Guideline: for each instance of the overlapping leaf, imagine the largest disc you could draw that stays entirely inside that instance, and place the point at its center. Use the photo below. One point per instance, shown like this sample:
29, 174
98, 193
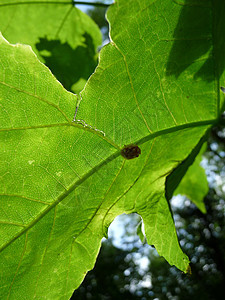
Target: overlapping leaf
62, 36
194, 185
63, 182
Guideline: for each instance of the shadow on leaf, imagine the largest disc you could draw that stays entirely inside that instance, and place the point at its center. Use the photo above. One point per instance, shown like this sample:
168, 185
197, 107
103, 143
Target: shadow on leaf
72, 67
197, 41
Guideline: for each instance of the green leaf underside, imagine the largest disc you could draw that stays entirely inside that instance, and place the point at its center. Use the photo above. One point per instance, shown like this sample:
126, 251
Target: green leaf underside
194, 184
63, 183
62, 36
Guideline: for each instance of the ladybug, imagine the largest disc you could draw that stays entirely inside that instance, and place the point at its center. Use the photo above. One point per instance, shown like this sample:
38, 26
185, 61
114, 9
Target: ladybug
130, 151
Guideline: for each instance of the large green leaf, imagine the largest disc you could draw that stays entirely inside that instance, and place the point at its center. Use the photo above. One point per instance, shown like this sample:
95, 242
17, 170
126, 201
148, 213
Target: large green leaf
62, 36
63, 182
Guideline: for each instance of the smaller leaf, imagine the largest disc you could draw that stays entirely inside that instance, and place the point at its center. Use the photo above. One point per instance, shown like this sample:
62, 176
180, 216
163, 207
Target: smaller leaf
176, 176
140, 232
194, 184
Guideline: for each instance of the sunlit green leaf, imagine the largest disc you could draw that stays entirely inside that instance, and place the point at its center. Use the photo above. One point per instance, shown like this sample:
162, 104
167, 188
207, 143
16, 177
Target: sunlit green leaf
63, 182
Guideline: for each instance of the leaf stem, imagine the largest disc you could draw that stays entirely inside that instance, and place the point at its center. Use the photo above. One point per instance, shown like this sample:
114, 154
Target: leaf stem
73, 2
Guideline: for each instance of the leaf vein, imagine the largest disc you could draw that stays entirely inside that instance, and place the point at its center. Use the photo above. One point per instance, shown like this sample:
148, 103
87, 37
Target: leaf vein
132, 86
39, 98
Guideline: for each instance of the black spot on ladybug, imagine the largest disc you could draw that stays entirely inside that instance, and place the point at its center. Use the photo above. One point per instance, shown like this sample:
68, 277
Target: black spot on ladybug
130, 151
